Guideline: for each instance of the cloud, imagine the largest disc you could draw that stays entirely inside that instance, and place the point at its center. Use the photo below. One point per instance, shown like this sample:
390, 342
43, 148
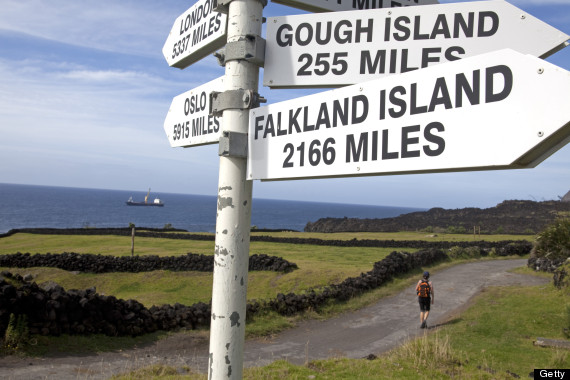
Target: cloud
128, 26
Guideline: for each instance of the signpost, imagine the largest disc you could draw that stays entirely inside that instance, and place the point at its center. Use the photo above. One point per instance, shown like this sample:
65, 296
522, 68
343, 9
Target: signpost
196, 33
497, 110
493, 111
188, 122
350, 5
342, 48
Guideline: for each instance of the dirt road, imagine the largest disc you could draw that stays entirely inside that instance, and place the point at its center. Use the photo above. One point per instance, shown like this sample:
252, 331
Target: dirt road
372, 330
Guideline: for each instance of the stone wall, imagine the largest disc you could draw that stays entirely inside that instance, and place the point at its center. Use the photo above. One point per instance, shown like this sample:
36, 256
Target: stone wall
53, 311
91, 263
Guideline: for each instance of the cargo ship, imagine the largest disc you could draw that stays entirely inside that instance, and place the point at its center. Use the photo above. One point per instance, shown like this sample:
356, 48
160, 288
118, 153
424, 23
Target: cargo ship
157, 202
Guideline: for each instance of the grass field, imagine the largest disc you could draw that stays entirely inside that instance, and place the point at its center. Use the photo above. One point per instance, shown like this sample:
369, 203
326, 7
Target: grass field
318, 266
486, 341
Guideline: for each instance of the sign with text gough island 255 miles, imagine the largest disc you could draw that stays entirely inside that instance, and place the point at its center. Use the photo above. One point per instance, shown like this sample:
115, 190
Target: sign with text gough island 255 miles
198, 32
341, 48
188, 122
500, 110
349, 5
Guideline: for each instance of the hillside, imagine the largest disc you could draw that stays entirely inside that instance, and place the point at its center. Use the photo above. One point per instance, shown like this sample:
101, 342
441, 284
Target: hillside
510, 217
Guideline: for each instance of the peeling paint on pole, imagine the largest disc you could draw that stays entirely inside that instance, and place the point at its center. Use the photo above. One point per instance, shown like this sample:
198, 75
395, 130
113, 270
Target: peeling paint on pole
233, 221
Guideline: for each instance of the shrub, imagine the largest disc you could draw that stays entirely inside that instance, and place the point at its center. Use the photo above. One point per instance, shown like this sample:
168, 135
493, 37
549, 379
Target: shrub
456, 230
554, 242
17, 333
500, 230
464, 252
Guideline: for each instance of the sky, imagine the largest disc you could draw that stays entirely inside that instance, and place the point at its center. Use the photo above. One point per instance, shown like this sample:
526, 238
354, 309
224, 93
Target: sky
85, 89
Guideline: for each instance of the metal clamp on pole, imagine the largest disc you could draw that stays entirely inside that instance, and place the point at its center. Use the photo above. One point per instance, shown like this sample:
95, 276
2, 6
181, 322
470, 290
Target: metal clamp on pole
223, 6
250, 49
233, 144
234, 99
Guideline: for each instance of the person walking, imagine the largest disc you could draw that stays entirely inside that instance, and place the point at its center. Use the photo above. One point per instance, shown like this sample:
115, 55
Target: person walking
426, 298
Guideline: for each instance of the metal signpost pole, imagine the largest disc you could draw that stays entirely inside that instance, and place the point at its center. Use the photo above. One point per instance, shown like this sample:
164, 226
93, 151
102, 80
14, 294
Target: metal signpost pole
233, 222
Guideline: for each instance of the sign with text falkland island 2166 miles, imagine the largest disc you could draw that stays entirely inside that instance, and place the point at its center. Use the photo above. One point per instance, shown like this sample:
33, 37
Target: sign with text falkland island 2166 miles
196, 33
342, 48
349, 5
500, 110
188, 122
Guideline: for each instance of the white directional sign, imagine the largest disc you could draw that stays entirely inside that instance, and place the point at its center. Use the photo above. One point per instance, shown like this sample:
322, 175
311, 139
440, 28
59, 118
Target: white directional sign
188, 122
340, 48
349, 5
493, 111
196, 33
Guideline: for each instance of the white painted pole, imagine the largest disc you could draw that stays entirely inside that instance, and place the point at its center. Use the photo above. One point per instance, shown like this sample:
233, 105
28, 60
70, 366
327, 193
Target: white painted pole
233, 222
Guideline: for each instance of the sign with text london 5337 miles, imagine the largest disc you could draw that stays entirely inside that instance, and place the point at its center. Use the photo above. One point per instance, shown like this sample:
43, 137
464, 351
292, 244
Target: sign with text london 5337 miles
196, 33
342, 48
497, 110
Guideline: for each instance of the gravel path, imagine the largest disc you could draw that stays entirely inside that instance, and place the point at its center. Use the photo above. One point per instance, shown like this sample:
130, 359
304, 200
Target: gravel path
372, 330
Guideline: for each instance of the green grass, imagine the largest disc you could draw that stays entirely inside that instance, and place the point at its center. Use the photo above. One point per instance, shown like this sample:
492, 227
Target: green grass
493, 339
406, 235
121, 245
105, 245
318, 266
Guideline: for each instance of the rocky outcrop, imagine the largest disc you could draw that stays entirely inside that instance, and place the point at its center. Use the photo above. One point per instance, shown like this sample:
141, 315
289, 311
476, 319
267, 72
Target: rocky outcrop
511, 217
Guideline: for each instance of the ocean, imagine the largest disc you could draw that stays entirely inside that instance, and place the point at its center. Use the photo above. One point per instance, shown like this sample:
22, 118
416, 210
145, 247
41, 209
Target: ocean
26, 206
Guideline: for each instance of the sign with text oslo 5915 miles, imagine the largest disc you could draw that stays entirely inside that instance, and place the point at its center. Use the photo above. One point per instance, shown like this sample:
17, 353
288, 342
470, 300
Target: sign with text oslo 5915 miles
188, 122
493, 111
340, 48
196, 33
349, 5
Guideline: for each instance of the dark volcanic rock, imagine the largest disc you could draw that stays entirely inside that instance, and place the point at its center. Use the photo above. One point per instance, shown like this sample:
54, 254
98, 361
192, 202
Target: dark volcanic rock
511, 217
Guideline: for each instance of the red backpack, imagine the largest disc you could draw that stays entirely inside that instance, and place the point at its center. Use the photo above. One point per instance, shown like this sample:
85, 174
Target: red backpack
424, 289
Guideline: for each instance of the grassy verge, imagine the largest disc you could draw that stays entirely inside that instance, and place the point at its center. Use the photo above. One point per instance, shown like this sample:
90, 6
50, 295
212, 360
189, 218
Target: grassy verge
493, 339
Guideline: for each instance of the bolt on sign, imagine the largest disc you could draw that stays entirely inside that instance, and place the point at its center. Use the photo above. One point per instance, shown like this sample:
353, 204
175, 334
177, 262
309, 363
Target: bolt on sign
500, 110
341, 48
196, 33
188, 122
349, 5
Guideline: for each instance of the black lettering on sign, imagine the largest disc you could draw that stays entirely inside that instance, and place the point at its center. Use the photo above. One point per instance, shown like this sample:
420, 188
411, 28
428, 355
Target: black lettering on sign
491, 73
407, 141
435, 139
398, 59
181, 131
330, 114
195, 103
448, 92
202, 11
364, 146
316, 153
445, 26
343, 32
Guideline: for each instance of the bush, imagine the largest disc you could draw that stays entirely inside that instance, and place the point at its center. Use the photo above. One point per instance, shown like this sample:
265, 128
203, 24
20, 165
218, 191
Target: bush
554, 242
17, 334
456, 230
464, 252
